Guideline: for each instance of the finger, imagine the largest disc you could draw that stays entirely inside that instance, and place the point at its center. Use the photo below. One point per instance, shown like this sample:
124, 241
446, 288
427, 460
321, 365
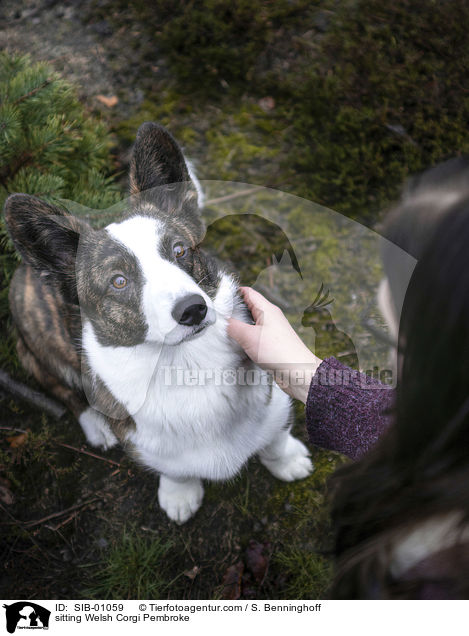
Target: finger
256, 302
239, 331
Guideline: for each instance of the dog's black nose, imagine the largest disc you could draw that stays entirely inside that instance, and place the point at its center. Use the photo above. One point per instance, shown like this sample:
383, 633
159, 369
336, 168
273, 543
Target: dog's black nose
190, 310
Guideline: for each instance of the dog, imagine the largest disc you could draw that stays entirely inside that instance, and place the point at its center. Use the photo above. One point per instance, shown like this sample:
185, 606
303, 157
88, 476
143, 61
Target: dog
105, 316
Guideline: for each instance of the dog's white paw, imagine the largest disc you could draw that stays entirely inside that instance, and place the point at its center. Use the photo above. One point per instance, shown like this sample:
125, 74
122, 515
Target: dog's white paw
288, 463
180, 500
96, 429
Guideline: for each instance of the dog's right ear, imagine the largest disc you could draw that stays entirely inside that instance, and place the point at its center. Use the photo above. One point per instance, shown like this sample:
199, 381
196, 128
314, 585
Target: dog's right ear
47, 238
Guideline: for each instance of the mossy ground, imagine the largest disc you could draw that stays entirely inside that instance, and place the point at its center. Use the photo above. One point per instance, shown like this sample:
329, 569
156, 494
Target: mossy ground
334, 102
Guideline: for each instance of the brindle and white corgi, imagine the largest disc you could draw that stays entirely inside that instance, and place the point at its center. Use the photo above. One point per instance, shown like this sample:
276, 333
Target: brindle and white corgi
100, 313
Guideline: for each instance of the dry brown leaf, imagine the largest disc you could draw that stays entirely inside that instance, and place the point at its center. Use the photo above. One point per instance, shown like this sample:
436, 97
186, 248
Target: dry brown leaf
232, 582
257, 559
17, 440
110, 102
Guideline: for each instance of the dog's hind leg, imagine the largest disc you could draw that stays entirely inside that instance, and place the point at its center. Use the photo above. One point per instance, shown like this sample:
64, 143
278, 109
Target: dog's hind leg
93, 423
286, 457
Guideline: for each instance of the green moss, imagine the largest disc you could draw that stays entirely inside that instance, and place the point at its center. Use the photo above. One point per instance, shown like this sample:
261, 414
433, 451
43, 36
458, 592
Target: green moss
381, 99
363, 93
169, 108
301, 504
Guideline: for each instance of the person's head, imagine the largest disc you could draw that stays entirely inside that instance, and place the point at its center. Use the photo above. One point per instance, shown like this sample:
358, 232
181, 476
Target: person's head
420, 468
425, 200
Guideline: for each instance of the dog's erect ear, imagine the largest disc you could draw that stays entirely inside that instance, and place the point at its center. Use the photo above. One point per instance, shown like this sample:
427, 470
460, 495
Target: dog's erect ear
47, 238
157, 161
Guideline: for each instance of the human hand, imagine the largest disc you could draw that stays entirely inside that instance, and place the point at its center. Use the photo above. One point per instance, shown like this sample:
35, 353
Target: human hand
273, 345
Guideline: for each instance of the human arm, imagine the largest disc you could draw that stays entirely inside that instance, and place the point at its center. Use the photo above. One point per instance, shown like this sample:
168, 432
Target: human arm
345, 410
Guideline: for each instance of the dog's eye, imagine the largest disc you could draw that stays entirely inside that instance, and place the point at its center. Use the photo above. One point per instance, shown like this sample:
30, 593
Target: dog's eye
119, 281
179, 250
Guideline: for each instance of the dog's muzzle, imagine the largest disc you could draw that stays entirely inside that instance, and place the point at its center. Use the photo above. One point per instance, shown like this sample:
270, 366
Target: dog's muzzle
190, 310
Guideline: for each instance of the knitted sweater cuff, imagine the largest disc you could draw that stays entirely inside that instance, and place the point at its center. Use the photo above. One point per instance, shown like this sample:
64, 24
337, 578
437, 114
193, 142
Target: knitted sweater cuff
346, 409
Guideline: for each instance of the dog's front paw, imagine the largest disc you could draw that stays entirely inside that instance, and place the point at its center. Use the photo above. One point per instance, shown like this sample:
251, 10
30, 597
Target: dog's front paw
96, 429
180, 500
291, 463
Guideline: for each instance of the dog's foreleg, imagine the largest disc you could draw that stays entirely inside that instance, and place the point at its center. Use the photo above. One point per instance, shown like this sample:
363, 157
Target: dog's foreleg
286, 458
180, 499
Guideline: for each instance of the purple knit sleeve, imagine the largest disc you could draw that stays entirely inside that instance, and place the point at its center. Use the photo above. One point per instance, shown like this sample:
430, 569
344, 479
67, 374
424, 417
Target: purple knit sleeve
346, 409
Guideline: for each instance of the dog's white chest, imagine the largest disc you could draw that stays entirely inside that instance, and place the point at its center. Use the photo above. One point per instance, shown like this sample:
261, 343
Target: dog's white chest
190, 417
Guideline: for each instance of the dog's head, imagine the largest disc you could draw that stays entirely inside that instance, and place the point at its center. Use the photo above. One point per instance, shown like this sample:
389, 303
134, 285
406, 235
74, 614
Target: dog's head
141, 279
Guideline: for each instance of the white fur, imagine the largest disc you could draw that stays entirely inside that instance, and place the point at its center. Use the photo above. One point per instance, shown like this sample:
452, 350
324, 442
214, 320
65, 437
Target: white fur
180, 499
204, 431
196, 182
286, 458
96, 429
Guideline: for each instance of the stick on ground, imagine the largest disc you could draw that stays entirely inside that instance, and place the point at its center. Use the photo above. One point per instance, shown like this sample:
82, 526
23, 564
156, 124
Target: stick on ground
20, 390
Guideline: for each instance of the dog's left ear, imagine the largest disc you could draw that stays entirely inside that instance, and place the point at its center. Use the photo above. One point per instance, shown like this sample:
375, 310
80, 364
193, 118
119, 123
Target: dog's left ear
157, 160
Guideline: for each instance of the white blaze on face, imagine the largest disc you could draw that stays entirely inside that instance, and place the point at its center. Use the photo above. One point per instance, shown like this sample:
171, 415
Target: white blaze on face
164, 282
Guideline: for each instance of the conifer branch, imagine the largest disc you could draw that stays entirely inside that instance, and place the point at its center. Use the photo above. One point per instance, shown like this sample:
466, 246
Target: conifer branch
32, 92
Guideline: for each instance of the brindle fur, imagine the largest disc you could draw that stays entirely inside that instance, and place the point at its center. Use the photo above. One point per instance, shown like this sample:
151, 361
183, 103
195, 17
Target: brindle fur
45, 289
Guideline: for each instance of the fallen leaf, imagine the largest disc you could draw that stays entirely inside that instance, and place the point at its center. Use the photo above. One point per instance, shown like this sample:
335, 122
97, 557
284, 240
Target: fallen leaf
17, 440
110, 102
267, 103
232, 582
6, 496
191, 574
257, 559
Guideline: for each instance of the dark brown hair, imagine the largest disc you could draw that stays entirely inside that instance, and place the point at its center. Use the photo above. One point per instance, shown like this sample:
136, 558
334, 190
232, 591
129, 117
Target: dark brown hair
420, 467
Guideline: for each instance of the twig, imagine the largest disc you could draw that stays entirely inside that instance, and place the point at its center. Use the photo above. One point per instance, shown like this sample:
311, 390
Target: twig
80, 450
62, 523
22, 391
54, 515
32, 92
21, 526
233, 195
12, 428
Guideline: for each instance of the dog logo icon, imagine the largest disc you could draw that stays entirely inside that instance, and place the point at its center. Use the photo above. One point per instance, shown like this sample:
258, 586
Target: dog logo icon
26, 615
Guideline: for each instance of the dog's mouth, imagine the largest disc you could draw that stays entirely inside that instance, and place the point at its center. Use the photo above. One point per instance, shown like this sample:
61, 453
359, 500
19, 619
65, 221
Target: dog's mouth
196, 332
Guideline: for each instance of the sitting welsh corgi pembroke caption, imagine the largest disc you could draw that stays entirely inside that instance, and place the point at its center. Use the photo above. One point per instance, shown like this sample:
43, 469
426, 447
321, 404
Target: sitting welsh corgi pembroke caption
104, 317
